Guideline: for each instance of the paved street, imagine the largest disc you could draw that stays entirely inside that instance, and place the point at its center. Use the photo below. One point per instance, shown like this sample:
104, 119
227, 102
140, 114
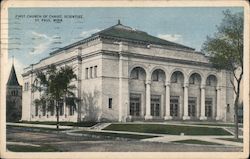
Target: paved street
65, 142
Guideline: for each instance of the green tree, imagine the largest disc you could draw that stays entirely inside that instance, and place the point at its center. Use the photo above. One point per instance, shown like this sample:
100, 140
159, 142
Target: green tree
225, 50
90, 105
54, 87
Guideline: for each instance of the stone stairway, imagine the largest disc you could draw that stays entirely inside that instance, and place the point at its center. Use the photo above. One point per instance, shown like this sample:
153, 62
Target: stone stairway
231, 130
99, 126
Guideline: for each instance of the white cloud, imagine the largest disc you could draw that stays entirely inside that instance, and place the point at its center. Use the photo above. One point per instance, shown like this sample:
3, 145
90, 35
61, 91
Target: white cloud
43, 40
85, 34
19, 66
171, 37
40, 35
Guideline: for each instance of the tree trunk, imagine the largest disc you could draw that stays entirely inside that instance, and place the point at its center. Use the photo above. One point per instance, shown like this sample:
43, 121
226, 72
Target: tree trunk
236, 103
57, 116
79, 116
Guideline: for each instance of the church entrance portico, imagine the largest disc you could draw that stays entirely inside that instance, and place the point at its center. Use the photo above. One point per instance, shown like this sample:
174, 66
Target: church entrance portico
174, 94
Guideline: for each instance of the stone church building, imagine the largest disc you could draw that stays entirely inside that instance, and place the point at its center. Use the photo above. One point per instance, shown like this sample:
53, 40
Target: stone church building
13, 97
131, 75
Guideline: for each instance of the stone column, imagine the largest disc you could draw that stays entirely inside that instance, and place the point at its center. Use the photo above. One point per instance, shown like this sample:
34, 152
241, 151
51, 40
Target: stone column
218, 106
123, 82
202, 116
148, 101
185, 115
79, 85
120, 84
167, 98
32, 105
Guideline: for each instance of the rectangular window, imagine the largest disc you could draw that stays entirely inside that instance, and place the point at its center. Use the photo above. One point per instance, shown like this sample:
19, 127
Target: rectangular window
86, 73
95, 71
36, 110
71, 110
174, 104
110, 103
135, 103
44, 109
208, 107
191, 106
91, 72
155, 105
228, 108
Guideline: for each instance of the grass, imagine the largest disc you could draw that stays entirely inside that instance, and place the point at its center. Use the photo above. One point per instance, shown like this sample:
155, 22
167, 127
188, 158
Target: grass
63, 123
199, 142
167, 129
232, 139
214, 124
26, 148
109, 134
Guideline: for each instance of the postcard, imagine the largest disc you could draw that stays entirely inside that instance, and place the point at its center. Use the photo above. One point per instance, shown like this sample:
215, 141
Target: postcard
124, 79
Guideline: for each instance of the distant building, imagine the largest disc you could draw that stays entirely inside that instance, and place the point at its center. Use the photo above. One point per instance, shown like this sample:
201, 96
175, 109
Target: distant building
13, 97
130, 75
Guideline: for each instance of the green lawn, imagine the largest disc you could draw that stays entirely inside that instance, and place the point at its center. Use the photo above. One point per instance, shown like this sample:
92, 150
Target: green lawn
232, 139
80, 124
108, 134
22, 148
215, 124
199, 142
167, 129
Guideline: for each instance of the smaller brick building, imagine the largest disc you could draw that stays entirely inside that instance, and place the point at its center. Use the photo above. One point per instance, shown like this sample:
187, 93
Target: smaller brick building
13, 98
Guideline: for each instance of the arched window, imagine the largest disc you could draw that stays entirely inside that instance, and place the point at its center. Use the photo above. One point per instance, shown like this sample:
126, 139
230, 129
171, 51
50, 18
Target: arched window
138, 73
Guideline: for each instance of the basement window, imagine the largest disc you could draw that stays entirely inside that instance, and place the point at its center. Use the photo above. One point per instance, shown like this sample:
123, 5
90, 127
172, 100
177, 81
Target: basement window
228, 108
110, 103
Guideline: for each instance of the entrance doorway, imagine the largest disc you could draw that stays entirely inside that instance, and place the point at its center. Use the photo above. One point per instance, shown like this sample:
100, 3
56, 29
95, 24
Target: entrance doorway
155, 105
208, 107
174, 106
192, 107
135, 104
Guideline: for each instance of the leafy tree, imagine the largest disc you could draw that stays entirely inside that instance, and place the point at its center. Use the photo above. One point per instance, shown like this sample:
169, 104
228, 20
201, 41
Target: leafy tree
90, 107
225, 50
54, 87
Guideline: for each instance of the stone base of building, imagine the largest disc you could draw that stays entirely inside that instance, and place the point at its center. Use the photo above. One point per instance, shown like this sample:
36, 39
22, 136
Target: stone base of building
148, 117
218, 118
167, 117
186, 117
203, 118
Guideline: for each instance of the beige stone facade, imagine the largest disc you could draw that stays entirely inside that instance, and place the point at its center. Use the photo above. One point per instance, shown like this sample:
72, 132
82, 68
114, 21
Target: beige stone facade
134, 79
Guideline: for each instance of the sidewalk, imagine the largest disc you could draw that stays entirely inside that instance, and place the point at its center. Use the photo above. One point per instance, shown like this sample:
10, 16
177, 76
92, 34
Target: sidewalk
163, 138
172, 138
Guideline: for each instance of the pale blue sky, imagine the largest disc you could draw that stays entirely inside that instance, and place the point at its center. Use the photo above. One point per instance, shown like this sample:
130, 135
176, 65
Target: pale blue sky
30, 41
